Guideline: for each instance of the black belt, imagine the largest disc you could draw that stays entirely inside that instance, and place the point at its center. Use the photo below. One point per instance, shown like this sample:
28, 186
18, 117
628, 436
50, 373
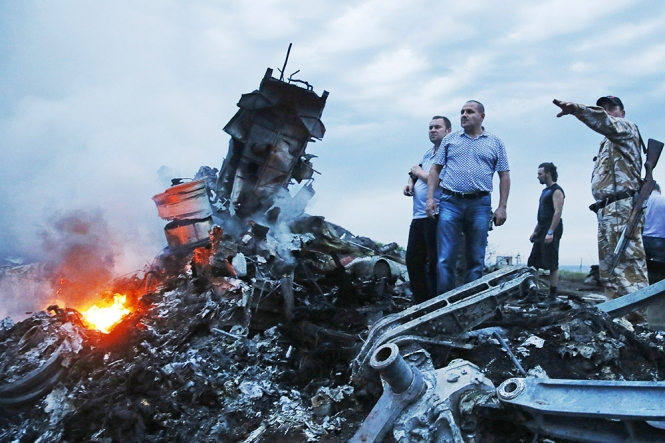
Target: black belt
466, 195
600, 204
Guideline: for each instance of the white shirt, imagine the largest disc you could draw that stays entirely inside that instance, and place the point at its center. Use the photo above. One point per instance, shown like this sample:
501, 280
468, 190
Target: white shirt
654, 224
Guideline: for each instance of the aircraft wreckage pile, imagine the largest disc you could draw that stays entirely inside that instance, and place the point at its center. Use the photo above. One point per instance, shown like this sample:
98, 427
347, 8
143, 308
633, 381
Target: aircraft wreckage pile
260, 323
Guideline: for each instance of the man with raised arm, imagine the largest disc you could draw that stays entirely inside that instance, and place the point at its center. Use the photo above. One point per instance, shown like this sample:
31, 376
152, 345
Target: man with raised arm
614, 182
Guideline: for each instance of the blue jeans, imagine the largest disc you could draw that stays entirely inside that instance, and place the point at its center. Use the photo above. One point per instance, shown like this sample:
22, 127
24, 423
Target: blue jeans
472, 217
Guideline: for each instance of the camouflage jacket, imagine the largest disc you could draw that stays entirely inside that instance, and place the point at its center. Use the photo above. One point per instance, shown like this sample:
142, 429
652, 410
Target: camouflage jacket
619, 162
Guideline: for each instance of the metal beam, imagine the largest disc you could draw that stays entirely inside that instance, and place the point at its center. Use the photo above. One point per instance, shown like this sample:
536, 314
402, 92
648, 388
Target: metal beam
634, 301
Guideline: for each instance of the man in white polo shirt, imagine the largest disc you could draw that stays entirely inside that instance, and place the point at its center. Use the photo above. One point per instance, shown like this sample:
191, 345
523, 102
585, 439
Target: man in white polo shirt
654, 246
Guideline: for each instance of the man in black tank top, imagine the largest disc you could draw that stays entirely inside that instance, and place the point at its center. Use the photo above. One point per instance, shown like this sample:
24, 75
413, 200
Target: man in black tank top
547, 234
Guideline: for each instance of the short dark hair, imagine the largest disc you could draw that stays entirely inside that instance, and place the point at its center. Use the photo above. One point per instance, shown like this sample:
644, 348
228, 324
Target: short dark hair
446, 121
549, 167
480, 106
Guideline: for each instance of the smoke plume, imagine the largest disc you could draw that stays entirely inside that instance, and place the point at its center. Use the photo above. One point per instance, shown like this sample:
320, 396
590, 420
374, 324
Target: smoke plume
79, 252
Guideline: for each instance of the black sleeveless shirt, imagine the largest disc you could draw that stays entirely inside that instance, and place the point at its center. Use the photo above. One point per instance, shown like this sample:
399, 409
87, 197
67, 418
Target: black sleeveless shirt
546, 207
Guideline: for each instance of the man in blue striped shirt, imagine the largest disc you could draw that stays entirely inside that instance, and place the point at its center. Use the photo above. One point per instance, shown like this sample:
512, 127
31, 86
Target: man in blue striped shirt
421, 251
463, 169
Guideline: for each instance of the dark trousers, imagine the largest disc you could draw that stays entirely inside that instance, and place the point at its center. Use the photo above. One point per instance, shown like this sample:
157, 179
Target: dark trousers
654, 248
421, 259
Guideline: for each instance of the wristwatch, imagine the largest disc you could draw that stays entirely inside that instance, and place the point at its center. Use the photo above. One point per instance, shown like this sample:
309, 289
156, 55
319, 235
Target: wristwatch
550, 232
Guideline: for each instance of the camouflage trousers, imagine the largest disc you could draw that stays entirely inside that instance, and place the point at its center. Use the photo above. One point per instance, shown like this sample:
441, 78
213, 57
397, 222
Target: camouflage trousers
631, 272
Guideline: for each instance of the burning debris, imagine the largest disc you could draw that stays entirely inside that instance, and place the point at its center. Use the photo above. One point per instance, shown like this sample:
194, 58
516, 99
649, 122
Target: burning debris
260, 323
80, 255
105, 317
199, 351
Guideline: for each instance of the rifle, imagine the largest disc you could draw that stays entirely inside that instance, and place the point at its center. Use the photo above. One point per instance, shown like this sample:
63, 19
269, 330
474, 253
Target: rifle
654, 148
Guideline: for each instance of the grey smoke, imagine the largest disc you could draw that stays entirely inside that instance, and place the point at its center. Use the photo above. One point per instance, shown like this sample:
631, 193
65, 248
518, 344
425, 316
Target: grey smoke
79, 254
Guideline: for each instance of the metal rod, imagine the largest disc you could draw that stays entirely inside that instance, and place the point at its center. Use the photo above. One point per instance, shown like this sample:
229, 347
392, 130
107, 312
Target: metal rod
510, 353
228, 334
281, 73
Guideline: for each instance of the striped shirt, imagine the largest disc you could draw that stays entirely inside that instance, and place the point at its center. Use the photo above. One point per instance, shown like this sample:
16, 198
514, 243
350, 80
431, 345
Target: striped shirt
471, 162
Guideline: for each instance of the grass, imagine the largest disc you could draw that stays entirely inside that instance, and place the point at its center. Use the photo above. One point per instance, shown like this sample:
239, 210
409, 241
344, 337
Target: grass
572, 276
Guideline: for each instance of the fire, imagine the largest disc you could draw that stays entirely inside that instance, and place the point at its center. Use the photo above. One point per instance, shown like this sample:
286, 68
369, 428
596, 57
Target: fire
103, 319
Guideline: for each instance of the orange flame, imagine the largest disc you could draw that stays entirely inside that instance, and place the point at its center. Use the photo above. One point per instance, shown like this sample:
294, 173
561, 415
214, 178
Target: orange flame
103, 319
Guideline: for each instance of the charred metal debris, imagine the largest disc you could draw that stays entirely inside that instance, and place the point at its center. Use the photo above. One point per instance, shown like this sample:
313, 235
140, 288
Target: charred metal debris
261, 323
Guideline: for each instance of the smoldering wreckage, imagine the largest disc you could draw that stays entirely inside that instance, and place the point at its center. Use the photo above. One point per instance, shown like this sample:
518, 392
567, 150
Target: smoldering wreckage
261, 323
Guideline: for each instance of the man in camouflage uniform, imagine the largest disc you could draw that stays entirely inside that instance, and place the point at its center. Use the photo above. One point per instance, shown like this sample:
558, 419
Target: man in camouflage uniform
614, 182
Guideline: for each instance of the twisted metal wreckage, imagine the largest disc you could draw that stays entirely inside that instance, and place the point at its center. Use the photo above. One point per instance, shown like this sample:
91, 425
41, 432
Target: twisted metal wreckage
255, 300
445, 405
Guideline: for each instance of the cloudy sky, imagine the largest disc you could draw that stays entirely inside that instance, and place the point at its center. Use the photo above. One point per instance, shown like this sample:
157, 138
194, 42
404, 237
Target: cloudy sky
101, 103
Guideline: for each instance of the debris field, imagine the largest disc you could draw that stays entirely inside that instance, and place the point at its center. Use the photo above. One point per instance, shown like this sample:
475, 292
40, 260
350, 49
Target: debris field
227, 358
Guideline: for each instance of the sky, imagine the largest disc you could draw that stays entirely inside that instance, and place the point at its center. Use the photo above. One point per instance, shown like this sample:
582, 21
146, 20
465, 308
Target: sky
102, 103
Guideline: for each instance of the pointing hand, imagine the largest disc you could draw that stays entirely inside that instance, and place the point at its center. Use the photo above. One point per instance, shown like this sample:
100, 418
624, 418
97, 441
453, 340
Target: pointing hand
566, 107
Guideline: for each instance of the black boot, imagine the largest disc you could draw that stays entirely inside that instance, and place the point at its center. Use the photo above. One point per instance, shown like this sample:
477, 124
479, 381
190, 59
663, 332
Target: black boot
550, 299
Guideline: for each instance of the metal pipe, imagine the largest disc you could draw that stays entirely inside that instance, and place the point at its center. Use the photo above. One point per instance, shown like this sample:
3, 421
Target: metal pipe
594, 411
392, 367
510, 353
405, 385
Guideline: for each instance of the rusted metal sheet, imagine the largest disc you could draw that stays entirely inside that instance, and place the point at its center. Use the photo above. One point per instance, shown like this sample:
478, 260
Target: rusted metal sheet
187, 233
187, 207
184, 201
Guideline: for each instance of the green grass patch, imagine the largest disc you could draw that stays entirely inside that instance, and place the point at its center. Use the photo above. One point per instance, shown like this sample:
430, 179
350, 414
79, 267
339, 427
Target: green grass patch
574, 276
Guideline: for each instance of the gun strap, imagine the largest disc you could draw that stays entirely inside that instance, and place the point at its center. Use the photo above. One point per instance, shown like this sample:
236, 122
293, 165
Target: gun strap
644, 149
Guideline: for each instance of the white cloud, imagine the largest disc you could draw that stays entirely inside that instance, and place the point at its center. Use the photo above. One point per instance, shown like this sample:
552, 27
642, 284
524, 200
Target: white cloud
546, 19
